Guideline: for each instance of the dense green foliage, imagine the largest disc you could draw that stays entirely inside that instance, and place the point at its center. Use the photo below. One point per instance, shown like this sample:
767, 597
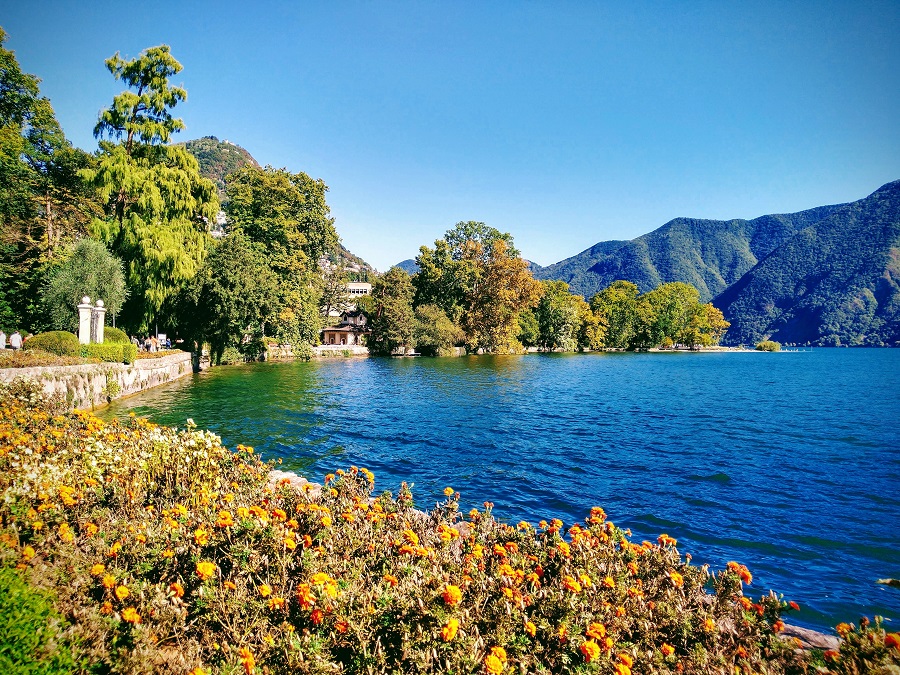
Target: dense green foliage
59, 342
44, 205
111, 334
768, 346
391, 321
158, 204
89, 270
31, 641
111, 352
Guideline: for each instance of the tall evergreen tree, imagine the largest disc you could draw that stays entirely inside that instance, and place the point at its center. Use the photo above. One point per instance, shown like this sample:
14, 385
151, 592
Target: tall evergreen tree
158, 204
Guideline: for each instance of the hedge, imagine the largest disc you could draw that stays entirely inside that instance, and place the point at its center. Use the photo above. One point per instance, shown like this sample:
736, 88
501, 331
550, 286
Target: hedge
114, 352
59, 342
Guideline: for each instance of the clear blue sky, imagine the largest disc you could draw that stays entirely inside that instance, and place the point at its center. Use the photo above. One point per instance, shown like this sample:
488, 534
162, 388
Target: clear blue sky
564, 123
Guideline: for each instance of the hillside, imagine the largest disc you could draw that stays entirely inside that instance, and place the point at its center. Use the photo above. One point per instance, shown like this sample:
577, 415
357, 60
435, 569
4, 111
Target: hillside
835, 282
218, 158
709, 254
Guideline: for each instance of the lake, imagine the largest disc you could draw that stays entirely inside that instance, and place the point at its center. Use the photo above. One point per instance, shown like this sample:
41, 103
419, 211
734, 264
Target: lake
785, 462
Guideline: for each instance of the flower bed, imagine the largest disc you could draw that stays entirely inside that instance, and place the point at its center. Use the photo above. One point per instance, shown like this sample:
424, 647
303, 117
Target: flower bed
166, 552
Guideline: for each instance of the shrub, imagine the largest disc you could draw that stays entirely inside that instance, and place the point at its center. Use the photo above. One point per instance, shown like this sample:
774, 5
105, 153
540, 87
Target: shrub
231, 356
111, 334
59, 342
768, 346
110, 352
30, 630
129, 353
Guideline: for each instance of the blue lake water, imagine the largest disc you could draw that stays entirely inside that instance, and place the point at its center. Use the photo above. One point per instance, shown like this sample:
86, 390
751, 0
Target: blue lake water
786, 462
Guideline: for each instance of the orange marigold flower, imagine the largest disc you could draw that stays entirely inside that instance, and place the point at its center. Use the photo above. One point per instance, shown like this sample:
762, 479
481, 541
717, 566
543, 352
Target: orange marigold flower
225, 519
98, 569
452, 594
307, 541
666, 540
745, 603
390, 578
709, 625
778, 626
230, 585
530, 628
342, 626
122, 592
205, 570
632, 567
622, 669
198, 671
247, 660
892, 640
571, 584
590, 650
831, 655
843, 629
667, 649
114, 549
265, 590
177, 589
493, 665
448, 632
106, 608
793, 605
626, 659
130, 615
620, 611
500, 653
317, 617
596, 630
278, 603
742, 651
305, 597
90, 529
201, 537
609, 582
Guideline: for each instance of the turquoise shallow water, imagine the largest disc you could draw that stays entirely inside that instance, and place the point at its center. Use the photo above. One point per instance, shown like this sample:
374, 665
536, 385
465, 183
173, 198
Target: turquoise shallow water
785, 462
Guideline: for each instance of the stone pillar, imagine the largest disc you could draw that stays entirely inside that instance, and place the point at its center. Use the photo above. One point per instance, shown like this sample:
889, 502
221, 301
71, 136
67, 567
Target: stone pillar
84, 320
98, 322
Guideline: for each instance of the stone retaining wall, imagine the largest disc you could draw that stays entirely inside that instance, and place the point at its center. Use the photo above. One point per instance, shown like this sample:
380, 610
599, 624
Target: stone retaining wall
94, 385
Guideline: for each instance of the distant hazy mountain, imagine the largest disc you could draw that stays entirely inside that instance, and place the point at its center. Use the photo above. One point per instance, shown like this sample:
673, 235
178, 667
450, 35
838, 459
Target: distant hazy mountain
409, 266
836, 281
218, 158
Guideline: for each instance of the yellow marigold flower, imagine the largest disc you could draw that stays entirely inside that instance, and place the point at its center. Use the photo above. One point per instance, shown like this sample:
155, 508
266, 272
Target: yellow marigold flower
114, 549
677, 579
130, 615
530, 628
622, 669
90, 529
667, 649
140, 538
198, 671
98, 569
452, 595
499, 652
201, 537
448, 632
585, 580
589, 650
290, 544
168, 553
320, 578
570, 584
493, 665
27, 553
205, 570
448, 491
276, 603
243, 512
596, 630
326, 521
122, 592
177, 589
37, 525
265, 590
709, 625
109, 581
247, 660
563, 548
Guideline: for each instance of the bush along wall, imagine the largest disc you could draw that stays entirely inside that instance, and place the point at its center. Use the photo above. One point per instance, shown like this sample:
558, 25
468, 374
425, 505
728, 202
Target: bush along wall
113, 352
166, 552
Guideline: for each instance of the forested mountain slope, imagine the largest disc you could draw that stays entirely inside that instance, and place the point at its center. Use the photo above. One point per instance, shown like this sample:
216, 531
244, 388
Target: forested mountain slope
835, 282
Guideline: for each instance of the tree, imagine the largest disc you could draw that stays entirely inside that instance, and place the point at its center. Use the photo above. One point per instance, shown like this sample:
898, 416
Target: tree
529, 331
158, 204
558, 317
434, 333
287, 216
44, 205
707, 326
232, 292
592, 327
392, 322
616, 307
90, 270
335, 295
475, 275
674, 305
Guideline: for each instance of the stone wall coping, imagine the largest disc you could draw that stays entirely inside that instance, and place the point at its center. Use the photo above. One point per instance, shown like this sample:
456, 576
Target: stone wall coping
145, 364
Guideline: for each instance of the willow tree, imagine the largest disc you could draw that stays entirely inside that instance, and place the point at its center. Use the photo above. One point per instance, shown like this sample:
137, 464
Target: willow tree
158, 204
